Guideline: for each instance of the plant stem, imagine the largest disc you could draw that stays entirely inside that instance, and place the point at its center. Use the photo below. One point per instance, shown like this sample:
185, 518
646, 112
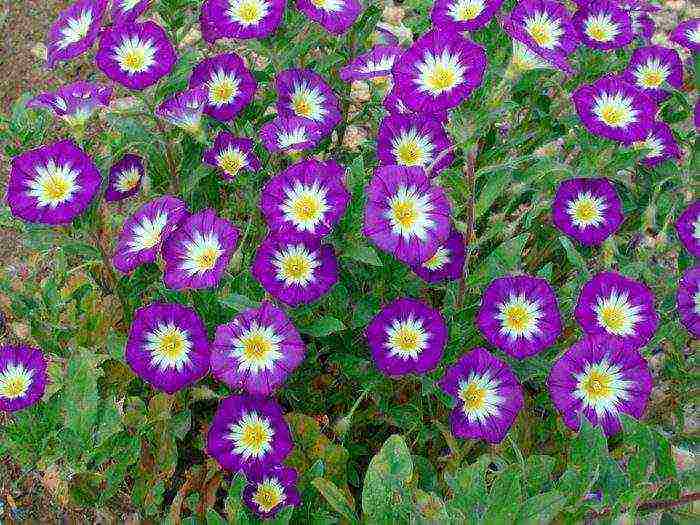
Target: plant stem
469, 173
169, 158
654, 504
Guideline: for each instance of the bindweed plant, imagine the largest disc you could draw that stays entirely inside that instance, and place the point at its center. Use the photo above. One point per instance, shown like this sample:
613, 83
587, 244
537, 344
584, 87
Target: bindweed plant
352, 262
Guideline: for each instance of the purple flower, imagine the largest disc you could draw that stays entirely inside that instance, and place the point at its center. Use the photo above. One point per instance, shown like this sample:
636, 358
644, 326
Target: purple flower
232, 155
308, 196
143, 233
230, 86
240, 18
124, 11
303, 93
545, 29
687, 34
688, 299
168, 346
600, 377
377, 62
75, 103
22, 377
136, 55
447, 263
395, 106
407, 337
696, 114
295, 267
268, 493
197, 253
184, 109
603, 25
257, 350
125, 178
413, 140
614, 109
660, 143
519, 315
588, 210
249, 434
463, 15
616, 307
652, 67
438, 71
688, 227
75, 30
336, 16
405, 214
487, 396
52, 184
290, 134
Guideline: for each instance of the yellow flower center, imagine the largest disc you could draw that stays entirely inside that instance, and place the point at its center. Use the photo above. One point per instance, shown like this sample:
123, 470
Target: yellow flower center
473, 396
441, 78
586, 211
249, 12
172, 345
206, 260
612, 116
652, 79
134, 60
256, 347
597, 385
56, 188
406, 339
254, 436
296, 267
409, 153
268, 495
306, 208
223, 91
540, 34
404, 213
517, 318
613, 317
301, 106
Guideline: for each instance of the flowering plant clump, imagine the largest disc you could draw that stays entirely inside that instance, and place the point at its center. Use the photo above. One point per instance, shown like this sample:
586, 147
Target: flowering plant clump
351, 261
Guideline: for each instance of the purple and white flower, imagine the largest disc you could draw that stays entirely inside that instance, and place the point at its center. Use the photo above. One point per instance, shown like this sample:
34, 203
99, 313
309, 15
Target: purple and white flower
135, 55
688, 227
240, 18
184, 109
124, 11
688, 300
268, 493
438, 71
405, 214
52, 184
589, 210
407, 337
309, 196
125, 178
687, 35
75, 30
463, 15
295, 267
614, 109
377, 62
232, 155
651, 68
249, 434
599, 378
303, 93
22, 377
447, 263
143, 233
617, 307
197, 253
257, 350
75, 103
335, 16
519, 315
229, 84
168, 346
487, 396
291, 134
413, 140
603, 25
660, 143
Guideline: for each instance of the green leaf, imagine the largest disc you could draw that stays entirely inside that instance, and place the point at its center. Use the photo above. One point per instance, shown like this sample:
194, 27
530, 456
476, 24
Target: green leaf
542, 508
386, 494
428, 508
335, 499
572, 254
213, 518
324, 326
363, 254
238, 302
468, 485
505, 497
501, 261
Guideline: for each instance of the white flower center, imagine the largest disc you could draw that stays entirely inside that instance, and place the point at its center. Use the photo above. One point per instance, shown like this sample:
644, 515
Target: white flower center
480, 397
652, 74
135, 55
307, 101
615, 110
15, 381
330, 6
601, 27
248, 12
169, 346
439, 73
54, 184
296, 265
410, 148
75, 29
652, 143
520, 317
524, 60
693, 34
587, 210
305, 205
464, 10
601, 387
286, 139
251, 436
408, 213
383, 64
129, 4
128, 179
223, 88
201, 253
268, 494
696, 227
544, 30
147, 233
437, 261
232, 160
616, 314
407, 338
257, 349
